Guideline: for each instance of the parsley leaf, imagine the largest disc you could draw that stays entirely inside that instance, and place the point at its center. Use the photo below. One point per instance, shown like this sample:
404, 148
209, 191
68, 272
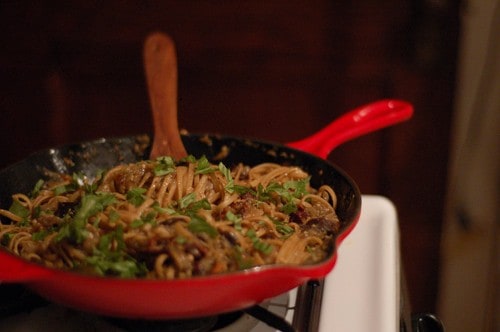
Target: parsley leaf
180, 239
6, 237
40, 235
186, 200
165, 165
198, 205
189, 159
243, 189
297, 187
136, 196
59, 190
75, 230
203, 166
109, 258
243, 262
189, 206
19, 210
114, 216
283, 228
38, 186
136, 223
116, 264
156, 206
258, 244
199, 225
148, 218
77, 181
289, 207
287, 192
227, 174
236, 220
106, 240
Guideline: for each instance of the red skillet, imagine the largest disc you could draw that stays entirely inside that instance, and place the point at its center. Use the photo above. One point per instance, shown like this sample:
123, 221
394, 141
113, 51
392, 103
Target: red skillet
200, 296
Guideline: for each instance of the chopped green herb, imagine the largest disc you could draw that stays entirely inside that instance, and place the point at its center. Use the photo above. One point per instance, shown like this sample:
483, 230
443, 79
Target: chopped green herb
39, 236
149, 217
199, 225
124, 267
109, 258
136, 196
115, 236
188, 204
262, 194
6, 237
201, 204
189, 159
185, 201
289, 207
116, 264
136, 223
287, 193
258, 244
91, 188
298, 187
38, 186
236, 220
243, 262
283, 228
165, 165
280, 190
96, 222
19, 210
77, 181
114, 216
156, 206
180, 239
37, 211
310, 249
203, 166
227, 174
59, 190
90, 205
242, 189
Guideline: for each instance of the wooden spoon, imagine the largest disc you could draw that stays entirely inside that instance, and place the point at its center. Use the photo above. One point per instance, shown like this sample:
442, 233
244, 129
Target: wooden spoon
160, 64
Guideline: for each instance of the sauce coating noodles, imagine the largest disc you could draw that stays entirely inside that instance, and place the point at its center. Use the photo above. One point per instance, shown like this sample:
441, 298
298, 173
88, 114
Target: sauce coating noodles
164, 219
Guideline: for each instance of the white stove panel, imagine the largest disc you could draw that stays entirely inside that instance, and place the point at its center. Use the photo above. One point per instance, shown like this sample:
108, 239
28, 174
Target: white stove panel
362, 292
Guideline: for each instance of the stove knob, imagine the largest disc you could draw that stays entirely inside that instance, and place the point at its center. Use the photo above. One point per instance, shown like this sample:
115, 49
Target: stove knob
426, 322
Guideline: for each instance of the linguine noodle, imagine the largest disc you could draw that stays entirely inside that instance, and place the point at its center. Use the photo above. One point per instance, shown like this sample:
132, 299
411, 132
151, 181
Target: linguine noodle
164, 219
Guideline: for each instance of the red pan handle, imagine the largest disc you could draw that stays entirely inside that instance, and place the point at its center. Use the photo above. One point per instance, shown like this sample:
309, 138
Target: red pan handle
14, 269
360, 121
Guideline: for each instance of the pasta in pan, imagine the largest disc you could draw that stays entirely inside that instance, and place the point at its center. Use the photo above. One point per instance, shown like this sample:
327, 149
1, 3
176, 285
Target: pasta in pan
164, 219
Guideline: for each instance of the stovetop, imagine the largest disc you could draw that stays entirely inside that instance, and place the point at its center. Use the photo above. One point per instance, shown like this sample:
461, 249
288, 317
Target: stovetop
362, 293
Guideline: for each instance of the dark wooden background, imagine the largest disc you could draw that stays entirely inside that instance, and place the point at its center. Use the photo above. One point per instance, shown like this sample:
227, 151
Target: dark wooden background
276, 70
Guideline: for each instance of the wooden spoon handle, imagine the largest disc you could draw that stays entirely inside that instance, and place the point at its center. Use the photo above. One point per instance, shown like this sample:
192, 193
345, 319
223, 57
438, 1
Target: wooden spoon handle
160, 64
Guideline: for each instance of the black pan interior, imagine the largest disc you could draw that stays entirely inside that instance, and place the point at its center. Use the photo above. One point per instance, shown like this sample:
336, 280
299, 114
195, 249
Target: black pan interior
93, 156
